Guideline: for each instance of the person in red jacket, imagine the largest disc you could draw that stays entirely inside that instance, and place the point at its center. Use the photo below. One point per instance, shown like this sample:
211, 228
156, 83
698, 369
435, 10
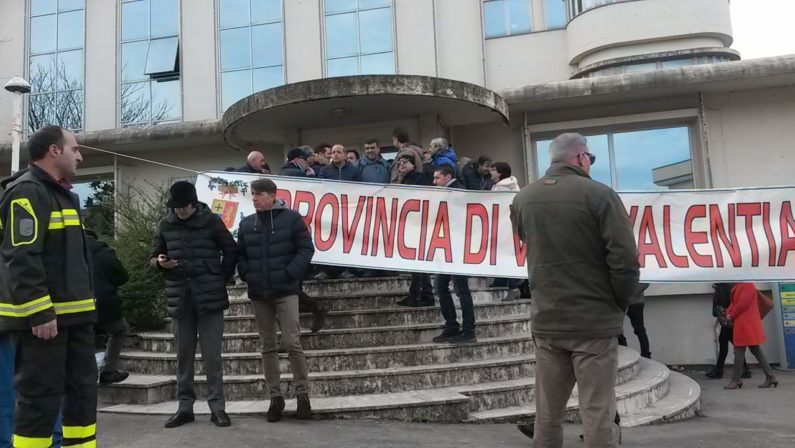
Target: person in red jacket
743, 313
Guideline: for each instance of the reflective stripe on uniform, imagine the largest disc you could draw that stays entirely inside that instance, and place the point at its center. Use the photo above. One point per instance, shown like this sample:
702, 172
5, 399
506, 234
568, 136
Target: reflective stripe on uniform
26, 309
90, 444
77, 306
79, 432
30, 233
32, 442
63, 218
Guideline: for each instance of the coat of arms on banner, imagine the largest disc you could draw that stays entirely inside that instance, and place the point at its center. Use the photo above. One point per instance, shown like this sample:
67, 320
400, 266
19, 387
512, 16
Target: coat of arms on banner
226, 210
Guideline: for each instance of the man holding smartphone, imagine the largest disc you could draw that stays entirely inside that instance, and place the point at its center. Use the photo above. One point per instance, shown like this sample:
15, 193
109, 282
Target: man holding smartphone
198, 256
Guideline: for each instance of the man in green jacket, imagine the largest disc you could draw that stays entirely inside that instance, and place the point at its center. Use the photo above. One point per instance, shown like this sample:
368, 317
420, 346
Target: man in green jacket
583, 268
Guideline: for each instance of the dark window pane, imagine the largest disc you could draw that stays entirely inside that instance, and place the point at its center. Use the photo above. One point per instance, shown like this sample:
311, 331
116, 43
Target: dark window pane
41, 111
342, 35
343, 67
68, 5
378, 64
70, 30
69, 109
39, 7
556, 14
519, 13
42, 73
266, 11
267, 78
234, 86
43, 34
162, 56
495, 18
136, 102
366, 4
654, 159
166, 101
234, 13
376, 30
334, 6
267, 45
70, 70
135, 20
165, 18
133, 61
235, 48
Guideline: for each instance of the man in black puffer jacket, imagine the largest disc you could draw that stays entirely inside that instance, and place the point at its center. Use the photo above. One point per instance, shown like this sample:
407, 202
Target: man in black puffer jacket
275, 250
198, 255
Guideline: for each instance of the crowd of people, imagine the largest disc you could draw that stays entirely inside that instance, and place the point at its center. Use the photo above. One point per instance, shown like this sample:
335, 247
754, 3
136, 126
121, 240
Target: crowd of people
580, 248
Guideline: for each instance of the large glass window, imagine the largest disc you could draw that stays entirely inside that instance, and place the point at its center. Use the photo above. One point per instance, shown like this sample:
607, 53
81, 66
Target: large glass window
151, 92
359, 38
555, 13
252, 48
636, 160
55, 70
507, 17
580, 6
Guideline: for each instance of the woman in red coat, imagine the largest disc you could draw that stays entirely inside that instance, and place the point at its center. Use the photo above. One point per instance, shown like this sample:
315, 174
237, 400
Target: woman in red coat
748, 332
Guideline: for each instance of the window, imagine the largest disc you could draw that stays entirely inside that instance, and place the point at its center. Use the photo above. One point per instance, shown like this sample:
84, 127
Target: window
252, 48
507, 17
555, 14
57, 38
580, 6
639, 67
151, 92
636, 160
359, 38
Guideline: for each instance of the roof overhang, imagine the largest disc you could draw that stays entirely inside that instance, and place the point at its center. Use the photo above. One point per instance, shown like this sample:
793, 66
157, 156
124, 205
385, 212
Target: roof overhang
265, 116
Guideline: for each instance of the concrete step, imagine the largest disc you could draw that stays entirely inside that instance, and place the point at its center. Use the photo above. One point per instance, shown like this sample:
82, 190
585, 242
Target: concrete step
682, 402
361, 286
384, 317
240, 305
648, 387
350, 337
422, 405
331, 360
147, 389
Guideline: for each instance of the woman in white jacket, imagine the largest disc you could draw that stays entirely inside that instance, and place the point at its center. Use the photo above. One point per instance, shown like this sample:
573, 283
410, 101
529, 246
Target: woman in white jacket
503, 181
501, 176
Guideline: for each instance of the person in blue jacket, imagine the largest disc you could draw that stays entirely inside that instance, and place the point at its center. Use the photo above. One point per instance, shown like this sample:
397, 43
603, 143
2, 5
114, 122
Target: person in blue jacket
443, 154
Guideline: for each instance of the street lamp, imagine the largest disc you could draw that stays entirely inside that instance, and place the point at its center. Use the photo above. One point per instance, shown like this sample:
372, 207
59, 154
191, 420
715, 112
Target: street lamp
18, 86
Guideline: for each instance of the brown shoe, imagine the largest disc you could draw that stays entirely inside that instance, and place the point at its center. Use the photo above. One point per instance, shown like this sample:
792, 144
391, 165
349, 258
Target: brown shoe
734, 384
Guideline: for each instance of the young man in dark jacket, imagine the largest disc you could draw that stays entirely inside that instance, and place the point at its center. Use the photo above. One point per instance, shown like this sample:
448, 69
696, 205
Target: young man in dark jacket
275, 251
373, 167
198, 255
476, 175
339, 168
109, 275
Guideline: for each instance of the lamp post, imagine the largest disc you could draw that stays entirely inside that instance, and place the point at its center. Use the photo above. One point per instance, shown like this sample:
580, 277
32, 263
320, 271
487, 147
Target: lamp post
18, 86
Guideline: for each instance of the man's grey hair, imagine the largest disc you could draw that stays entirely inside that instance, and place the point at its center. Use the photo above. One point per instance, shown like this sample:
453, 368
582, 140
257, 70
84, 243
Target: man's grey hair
440, 141
567, 146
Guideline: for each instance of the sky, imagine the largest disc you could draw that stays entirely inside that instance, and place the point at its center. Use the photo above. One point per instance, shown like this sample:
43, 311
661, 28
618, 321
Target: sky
763, 28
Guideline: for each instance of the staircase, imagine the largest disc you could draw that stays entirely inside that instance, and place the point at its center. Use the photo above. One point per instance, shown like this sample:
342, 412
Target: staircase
376, 360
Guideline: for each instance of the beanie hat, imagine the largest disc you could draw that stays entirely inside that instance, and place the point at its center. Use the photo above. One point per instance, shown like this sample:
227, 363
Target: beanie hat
299, 153
182, 194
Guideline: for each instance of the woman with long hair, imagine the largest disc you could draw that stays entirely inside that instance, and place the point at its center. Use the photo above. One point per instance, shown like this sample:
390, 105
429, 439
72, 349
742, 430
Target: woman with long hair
743, 315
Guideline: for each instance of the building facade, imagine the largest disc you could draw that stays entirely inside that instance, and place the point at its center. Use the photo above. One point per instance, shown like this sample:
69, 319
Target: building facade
654, 85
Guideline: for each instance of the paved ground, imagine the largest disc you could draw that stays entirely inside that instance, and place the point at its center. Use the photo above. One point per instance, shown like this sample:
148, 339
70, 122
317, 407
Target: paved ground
750, 417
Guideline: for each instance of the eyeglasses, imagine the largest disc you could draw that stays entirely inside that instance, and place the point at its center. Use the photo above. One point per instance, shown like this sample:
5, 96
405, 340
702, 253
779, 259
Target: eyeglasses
591, 157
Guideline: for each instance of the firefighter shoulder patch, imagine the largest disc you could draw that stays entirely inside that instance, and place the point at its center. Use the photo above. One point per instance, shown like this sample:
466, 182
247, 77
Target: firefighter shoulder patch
24, 222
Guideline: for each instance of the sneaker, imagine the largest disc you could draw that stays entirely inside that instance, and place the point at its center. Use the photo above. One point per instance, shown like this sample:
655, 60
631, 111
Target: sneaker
319, 315
304, 411
511, 296
113, 376
276, 409
464, 337
347, 275
447, 334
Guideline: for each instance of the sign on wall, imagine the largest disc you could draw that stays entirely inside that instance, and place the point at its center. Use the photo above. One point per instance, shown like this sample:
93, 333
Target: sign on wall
683, 236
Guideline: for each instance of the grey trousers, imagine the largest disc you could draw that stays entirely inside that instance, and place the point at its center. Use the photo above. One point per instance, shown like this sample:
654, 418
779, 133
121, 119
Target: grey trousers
283, 311
210, 330
593, 365
117, 334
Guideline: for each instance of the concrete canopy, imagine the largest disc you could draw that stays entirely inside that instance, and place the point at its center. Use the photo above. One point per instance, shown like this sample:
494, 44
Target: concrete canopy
266, 116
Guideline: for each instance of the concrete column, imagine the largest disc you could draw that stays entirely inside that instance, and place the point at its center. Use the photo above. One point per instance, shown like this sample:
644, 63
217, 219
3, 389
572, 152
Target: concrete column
416, 37
459, 31
199, 67
429, 129
303, 40
101, 65
12, 55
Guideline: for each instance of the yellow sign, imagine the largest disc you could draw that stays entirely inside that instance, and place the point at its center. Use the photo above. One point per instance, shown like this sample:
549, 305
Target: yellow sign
788, 294
788, 302
789, 323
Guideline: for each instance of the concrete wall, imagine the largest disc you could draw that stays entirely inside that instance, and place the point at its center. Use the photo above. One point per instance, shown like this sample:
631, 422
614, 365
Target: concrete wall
416, 37
534, 58
502, 143
303, 40
460, 40
12, 60
741, 126
197, 56
101, 76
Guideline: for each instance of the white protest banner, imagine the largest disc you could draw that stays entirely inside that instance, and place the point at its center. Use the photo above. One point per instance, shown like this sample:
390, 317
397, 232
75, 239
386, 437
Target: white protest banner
683, 236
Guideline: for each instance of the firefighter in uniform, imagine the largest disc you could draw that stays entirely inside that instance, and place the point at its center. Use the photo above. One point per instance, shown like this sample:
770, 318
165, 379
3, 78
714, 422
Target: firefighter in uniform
46, 302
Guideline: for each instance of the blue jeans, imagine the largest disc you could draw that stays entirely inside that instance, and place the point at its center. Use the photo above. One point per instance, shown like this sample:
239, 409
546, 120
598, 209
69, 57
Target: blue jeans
7, 396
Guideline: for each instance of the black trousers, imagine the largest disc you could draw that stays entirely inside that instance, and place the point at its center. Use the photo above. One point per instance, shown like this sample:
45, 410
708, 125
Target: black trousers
57, 374
635, 314
421, 288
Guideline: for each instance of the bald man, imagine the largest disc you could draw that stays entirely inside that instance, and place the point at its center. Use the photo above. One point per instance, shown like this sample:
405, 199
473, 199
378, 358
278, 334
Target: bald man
255, 163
